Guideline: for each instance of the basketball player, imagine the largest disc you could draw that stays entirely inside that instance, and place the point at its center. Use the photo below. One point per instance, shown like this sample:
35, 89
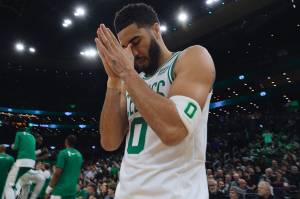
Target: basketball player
63, 184
6, 162
25, 145
41, 153
159, 100
34, 176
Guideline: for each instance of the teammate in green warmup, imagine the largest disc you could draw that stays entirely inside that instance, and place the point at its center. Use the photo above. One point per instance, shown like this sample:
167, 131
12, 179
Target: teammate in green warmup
25, 145
6, 162
63, 184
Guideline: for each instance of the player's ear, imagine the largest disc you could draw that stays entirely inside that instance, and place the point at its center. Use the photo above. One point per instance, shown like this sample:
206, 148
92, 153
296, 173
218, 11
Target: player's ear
156, 30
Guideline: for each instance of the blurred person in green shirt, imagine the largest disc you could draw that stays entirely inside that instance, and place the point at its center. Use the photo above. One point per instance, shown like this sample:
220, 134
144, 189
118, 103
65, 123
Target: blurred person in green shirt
63, 184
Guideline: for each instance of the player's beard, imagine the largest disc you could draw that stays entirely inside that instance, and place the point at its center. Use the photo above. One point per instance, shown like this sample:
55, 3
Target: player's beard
154, 54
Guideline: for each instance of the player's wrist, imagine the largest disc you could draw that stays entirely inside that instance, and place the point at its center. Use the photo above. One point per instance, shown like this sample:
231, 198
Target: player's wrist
128, 75
49, 189
114, 83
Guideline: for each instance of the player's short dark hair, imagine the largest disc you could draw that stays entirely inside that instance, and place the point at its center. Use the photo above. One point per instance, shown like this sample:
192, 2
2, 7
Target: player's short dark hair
141, 14
71, 139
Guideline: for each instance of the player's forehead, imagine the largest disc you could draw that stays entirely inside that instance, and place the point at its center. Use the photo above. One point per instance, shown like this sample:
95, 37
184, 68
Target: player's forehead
128, 34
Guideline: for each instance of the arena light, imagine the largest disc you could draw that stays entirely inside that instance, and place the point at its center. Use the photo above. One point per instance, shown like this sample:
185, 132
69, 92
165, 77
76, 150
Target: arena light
68, 113
32, 124
182, 17
79, 12
262, 93
241, 77
67, 22
19, 47
32, 50
163, 28
52, 147
211, 2
82, 126
89, 53
93, 147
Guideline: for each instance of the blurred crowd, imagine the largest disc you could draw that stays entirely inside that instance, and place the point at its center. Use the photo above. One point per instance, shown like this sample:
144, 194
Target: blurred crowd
248, 156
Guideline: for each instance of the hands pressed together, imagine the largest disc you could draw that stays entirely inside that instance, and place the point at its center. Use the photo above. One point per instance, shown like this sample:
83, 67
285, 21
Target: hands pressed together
117, 61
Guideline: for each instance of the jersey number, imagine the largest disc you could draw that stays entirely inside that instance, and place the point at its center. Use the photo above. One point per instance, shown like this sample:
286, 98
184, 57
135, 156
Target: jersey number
137, 136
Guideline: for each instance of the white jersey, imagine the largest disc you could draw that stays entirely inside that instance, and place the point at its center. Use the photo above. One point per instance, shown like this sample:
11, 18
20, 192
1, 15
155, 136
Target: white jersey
152, 170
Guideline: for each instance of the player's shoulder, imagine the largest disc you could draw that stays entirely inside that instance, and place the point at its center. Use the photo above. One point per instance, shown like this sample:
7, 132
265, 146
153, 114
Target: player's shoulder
195, 57
192, 51
62, 152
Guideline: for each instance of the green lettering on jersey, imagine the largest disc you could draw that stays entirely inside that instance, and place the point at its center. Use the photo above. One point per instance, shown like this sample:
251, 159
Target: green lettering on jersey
160, 83
141, 136
190, 110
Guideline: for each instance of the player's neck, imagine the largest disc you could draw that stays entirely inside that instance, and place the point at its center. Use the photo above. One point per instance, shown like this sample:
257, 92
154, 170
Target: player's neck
165, 55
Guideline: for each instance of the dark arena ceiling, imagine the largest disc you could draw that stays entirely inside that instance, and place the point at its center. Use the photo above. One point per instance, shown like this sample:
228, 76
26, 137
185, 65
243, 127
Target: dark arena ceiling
254, 43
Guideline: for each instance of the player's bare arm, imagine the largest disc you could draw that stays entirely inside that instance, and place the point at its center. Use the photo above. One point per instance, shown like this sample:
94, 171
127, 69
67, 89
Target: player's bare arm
113, 120
53, 181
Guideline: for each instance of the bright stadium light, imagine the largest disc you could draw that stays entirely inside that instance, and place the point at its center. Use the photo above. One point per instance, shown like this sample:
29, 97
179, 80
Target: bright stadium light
19, 46
67, 22
182, 17
210, 2
68, 113
79, 12
32, 50
52, 147
82, 126
89, 52
163, 28
263, 93
93, 147
241, 77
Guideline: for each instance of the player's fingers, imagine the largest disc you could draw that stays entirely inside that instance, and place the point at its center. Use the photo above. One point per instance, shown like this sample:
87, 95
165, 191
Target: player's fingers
115, 40
104, 55
104, 40
103, 58
108, 36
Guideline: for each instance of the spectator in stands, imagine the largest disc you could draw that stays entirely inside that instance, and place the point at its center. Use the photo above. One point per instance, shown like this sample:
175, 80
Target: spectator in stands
219, 174
103, 190
91, 189
236, 178
111, 191
214, 192
293, 177
269, 176
234, 193
243, 186
264, 190
221, 187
